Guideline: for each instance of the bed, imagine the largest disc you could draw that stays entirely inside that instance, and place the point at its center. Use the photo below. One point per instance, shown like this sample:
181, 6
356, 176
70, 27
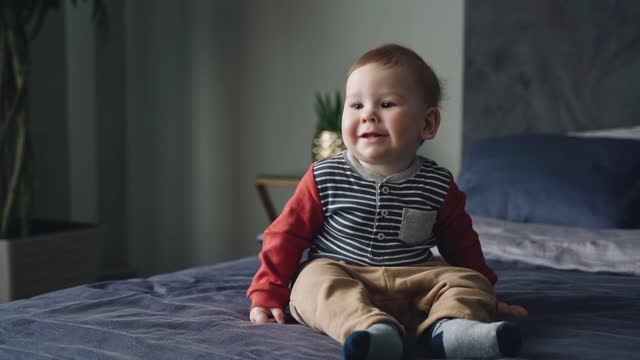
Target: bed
202, 313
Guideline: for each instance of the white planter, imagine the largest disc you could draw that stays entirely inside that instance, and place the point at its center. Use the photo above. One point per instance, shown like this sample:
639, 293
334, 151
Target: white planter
47, 262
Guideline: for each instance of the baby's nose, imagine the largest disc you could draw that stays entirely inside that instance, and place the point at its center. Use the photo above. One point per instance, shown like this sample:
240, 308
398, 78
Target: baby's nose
368, 117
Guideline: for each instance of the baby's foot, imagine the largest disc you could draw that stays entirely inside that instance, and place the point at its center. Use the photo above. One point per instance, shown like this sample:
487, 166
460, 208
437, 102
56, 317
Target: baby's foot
461, 338
380, 341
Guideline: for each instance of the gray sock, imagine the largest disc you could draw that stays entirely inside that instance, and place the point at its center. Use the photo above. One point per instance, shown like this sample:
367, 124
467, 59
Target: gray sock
461, 338
379, 342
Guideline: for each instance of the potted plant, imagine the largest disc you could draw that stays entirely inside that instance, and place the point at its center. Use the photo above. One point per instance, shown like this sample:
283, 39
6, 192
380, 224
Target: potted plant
35, 256
328, 137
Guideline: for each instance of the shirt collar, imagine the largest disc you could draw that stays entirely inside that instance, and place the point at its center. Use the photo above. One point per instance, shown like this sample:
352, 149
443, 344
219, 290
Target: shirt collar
367, 174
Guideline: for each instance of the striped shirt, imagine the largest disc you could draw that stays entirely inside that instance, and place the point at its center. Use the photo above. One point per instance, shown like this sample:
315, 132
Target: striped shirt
343, 211
375, 220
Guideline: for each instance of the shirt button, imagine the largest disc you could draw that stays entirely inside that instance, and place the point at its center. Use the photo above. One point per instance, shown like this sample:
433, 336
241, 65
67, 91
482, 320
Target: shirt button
385, 190
384, 212
380, 236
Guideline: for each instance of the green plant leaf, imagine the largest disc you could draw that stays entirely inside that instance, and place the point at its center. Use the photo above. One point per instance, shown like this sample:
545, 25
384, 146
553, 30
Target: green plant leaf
329, 111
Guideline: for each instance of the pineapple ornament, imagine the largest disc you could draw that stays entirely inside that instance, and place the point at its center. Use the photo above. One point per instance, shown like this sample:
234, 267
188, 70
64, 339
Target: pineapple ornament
328, 138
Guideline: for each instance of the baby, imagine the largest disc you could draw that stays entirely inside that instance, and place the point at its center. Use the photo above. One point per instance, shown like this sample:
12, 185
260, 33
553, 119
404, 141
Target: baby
370, 216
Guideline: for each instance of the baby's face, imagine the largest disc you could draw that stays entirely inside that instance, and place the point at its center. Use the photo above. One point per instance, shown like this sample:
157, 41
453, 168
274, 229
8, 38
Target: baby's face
383, 117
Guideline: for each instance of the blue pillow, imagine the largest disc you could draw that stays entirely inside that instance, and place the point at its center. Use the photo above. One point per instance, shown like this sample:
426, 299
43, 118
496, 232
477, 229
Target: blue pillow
554, 179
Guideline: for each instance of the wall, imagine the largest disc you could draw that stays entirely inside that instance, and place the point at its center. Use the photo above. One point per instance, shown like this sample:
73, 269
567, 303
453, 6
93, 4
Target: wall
111, 141
513, 85
48, 116
81, 112
182, 113
78, 122
193, 99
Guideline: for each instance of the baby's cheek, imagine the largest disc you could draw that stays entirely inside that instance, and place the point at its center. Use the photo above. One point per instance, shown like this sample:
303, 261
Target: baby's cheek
348, 136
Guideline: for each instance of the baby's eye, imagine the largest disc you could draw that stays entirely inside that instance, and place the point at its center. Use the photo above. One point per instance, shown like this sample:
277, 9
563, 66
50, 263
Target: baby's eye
387, 104
356, 106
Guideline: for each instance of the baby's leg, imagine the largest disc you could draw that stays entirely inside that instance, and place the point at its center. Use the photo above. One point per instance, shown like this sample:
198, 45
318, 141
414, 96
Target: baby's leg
326, 297
461, 303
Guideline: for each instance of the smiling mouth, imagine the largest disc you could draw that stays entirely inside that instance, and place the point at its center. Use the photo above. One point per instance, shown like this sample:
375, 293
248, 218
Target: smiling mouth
371, 135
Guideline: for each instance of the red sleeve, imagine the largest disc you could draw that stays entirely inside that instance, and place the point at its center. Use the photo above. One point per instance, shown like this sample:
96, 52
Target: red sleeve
284, 242
457, 241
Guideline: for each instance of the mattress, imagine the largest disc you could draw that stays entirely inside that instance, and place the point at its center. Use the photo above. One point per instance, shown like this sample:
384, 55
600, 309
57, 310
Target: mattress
202, 313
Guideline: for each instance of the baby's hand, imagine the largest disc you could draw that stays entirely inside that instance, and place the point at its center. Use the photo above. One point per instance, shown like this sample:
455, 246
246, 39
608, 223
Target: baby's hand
261, 315
511, 310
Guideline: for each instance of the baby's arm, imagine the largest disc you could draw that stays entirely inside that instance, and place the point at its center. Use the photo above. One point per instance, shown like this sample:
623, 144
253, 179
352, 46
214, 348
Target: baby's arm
284, 242
460, 245
457, 241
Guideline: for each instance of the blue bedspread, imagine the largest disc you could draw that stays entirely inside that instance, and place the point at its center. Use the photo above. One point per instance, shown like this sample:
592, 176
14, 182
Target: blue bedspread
202, 313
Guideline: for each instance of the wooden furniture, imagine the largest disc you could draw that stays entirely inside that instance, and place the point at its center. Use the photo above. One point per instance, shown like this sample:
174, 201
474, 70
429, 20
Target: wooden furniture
262, 184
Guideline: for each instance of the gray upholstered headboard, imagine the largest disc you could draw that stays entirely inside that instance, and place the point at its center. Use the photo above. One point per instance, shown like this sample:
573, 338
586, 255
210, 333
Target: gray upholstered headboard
550, 66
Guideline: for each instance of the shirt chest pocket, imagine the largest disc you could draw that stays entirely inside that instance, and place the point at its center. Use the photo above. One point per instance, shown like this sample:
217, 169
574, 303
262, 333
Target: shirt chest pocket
417, 226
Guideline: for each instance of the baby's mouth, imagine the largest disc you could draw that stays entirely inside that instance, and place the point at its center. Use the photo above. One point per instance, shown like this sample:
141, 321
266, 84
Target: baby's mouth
371, 135
373, 138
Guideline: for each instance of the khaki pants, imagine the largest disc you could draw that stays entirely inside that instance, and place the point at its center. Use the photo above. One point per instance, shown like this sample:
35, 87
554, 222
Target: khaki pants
337, 299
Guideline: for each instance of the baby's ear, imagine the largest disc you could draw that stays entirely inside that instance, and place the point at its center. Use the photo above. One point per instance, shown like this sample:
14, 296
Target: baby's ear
431, 123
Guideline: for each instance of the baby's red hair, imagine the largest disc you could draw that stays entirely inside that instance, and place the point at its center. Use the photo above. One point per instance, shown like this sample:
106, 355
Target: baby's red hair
398, 55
